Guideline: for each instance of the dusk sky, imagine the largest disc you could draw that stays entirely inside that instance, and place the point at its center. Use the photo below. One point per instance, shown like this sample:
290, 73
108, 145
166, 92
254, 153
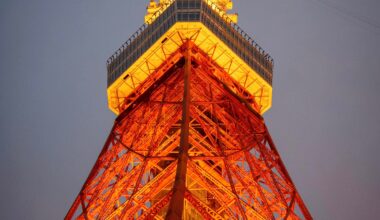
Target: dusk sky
324, 120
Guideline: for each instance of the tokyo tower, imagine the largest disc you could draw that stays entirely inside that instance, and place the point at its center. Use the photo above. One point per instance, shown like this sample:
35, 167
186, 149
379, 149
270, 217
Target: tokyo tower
189, 89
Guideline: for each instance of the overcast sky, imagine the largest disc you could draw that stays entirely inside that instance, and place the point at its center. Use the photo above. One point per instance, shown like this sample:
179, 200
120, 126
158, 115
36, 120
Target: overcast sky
324, 120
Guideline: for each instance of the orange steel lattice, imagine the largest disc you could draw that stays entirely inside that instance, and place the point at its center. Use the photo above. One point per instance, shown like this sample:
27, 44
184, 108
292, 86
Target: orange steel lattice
189, 143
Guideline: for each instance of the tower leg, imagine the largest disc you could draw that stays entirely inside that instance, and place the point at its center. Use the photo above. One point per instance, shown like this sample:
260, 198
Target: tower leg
176, 205
234, 170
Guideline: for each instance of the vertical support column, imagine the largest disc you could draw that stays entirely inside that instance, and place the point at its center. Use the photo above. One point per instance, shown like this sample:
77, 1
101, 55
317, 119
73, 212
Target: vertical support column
176, 205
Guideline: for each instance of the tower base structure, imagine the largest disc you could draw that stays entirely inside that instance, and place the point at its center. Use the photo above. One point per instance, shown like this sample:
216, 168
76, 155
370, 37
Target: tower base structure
189, 148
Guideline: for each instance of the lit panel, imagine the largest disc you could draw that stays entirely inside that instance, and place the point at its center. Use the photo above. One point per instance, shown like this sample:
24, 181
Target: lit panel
210, 44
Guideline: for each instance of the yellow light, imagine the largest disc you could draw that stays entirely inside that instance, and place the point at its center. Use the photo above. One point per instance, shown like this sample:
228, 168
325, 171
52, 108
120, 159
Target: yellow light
208, 43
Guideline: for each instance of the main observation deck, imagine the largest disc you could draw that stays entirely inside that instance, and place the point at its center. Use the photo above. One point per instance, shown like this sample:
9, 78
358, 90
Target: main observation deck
212, 31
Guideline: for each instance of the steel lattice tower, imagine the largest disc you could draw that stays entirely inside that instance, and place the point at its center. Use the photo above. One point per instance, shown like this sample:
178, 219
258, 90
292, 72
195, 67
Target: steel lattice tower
189, 88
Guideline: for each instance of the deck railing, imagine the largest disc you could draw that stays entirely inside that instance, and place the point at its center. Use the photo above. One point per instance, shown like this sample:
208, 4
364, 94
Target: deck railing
193, 11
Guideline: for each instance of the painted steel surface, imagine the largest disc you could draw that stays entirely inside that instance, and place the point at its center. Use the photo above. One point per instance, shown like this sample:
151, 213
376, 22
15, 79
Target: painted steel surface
189, 141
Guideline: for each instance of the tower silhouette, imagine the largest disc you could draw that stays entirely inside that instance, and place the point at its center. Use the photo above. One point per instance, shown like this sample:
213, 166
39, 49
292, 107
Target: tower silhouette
189, 142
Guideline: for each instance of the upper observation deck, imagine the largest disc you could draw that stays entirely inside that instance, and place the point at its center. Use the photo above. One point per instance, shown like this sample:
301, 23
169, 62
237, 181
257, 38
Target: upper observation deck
211, 29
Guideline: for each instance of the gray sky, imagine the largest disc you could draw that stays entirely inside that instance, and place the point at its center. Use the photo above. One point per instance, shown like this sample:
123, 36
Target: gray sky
54, 117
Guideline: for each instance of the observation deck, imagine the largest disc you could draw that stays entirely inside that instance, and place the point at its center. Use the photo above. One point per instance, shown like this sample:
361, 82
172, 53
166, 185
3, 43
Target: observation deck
155, 43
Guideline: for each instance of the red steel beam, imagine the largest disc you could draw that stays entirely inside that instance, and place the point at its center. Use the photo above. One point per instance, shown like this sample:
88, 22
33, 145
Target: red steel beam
176, 205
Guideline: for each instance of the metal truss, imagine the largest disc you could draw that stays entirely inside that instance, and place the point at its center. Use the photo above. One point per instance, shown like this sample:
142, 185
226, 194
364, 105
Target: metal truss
224, 64
189, 144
